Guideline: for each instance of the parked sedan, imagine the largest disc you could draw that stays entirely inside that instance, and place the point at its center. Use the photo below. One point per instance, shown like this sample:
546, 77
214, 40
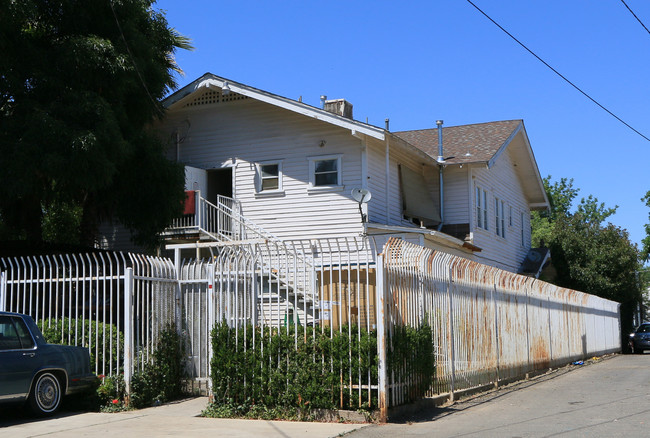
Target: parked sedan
35, 372
640, 339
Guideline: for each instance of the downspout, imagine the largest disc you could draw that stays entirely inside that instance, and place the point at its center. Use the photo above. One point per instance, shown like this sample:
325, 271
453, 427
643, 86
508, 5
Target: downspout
387, 174
440, 169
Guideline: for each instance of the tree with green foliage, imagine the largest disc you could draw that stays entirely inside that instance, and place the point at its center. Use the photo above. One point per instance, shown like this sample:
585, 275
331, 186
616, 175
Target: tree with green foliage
587, 254
645, 250
80, 86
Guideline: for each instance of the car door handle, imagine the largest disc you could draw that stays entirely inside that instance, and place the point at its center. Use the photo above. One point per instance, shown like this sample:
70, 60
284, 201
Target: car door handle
29, 354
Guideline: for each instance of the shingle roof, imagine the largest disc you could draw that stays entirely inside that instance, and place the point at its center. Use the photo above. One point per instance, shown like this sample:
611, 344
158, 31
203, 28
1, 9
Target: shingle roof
482, 140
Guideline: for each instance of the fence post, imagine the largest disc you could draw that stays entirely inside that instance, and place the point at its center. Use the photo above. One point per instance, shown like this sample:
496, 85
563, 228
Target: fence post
452, 346
178, 295
3, 290
381, 338
128, 329
528, 369
496, 332
211, 323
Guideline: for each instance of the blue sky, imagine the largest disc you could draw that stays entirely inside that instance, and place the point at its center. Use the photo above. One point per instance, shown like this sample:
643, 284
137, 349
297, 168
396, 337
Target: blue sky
420, 61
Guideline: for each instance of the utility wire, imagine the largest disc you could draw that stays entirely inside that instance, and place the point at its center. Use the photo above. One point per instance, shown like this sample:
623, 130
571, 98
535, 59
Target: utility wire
558, 73
135, 65
637, 18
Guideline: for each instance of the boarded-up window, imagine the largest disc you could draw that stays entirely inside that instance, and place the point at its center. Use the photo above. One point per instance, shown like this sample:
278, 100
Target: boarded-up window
417, 202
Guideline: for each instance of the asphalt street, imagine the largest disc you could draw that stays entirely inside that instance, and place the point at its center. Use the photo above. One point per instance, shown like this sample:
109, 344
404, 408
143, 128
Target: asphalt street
609, 398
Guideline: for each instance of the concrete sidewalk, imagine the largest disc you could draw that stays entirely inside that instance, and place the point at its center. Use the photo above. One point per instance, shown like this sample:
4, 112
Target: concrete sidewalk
178, 419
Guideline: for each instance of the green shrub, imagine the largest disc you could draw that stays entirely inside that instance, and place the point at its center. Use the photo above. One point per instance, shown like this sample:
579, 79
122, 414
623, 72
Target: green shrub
283, 371
411, 359
162, 379
287, 375
96, 337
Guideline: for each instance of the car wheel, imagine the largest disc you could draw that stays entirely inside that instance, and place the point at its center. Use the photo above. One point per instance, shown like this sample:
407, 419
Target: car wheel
45, 397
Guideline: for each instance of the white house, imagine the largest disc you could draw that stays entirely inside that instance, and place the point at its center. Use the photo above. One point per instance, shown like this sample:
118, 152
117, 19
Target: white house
292, 168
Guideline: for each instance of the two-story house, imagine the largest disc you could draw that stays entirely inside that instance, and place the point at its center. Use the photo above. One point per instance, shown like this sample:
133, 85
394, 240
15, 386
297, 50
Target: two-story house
296, 171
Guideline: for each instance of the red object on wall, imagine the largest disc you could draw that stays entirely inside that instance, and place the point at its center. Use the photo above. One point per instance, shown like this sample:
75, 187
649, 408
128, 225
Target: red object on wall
190, 204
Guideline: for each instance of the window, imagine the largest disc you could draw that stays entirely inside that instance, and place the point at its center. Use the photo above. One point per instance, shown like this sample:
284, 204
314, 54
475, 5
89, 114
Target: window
500, 216
481, 208
269, 176
325, 171
14, 334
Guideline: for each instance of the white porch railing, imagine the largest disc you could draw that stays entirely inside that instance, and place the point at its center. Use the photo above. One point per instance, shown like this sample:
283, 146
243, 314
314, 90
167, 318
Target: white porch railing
223, 221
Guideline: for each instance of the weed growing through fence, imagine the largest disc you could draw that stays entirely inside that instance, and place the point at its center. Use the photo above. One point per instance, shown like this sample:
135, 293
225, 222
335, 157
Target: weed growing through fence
273, 373
111, 394
160, 380
411, 359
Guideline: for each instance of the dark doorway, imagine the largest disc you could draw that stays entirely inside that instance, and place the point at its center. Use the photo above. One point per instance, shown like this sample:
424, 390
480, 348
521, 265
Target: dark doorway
219, 183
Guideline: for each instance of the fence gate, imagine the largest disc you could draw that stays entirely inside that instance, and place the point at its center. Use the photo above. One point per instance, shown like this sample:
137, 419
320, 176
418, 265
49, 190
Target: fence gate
193, 320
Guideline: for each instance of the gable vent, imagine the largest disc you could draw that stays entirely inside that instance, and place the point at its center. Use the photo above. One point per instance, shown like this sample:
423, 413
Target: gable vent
211, 97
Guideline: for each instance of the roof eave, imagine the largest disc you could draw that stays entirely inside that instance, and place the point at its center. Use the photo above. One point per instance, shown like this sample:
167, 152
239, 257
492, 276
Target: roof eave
209, 80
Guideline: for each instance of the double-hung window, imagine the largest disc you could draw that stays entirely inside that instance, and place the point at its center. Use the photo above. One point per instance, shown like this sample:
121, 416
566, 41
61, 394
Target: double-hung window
481, 208
500, 216
269, 176
325, 171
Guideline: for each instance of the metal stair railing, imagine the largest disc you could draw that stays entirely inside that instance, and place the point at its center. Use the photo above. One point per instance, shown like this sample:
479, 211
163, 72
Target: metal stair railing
225, 222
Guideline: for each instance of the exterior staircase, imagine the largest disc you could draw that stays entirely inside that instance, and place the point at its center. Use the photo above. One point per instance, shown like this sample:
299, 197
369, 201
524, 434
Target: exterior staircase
287, 276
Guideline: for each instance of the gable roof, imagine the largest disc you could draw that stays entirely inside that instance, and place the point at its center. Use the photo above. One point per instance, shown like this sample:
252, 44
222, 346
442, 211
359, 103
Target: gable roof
211, 81
476, 143
483, 143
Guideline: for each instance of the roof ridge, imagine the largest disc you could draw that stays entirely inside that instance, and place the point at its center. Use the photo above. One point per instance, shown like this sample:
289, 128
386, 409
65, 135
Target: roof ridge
460, 126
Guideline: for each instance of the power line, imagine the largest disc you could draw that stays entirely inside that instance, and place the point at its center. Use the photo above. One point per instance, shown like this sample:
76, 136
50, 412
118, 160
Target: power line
135, 65
557, 72
637, 18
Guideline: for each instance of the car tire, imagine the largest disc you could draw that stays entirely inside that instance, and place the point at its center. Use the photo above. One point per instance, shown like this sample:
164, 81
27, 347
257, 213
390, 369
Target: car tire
45, 396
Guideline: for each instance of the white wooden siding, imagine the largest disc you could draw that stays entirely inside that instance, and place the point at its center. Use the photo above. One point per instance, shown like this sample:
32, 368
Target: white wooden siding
376, 156
456, 191
501, 181
243, 133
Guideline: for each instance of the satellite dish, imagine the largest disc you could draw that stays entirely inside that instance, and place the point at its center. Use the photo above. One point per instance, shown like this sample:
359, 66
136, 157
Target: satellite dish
361, 195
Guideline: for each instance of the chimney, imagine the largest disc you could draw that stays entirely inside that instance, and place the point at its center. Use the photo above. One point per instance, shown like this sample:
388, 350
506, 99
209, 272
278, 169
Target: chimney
339, 106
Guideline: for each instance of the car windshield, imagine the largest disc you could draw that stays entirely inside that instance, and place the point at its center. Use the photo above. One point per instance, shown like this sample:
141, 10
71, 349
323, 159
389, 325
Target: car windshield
645, 328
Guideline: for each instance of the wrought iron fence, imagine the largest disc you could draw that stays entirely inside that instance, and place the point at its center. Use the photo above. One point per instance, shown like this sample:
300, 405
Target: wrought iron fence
486, 325
113, 304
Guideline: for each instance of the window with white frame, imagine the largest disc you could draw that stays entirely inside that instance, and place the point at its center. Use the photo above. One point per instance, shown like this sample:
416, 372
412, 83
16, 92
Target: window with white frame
325, 171
500, 216
481, 208
269, 176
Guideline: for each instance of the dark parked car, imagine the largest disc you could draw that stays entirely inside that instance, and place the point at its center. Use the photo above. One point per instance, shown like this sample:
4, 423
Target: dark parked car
36, 372
640, 339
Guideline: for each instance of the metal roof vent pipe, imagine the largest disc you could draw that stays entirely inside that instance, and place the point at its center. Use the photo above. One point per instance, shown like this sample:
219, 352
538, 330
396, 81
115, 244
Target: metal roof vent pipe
323, 98
441, 167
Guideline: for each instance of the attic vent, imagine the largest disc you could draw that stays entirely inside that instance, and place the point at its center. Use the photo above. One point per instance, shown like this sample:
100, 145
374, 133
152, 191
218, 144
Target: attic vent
211, 97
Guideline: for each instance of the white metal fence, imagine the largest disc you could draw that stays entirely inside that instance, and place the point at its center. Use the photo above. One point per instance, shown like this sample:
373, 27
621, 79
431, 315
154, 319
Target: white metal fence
114, 304
488, 325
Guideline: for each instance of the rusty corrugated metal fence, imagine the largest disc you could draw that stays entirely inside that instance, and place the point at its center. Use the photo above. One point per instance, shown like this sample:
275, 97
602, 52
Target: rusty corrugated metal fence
488, 325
